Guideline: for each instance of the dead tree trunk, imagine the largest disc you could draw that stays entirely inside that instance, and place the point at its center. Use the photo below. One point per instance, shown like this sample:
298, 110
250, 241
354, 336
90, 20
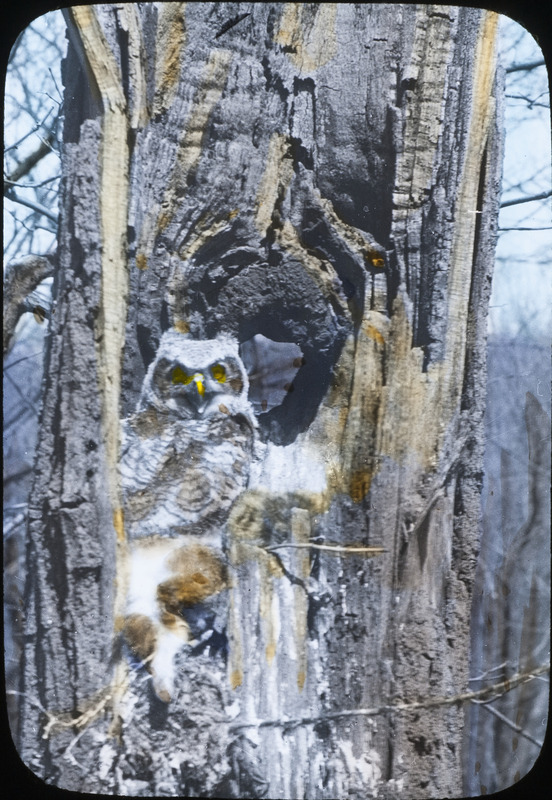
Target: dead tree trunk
320, 174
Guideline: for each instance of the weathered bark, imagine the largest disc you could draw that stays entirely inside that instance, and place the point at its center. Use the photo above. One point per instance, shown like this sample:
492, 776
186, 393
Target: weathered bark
321, 174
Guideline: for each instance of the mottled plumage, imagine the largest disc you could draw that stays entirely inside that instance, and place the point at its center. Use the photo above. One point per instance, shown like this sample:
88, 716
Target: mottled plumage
185, 458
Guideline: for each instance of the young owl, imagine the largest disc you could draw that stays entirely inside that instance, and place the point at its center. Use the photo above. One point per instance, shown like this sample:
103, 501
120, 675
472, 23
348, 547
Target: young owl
185, 458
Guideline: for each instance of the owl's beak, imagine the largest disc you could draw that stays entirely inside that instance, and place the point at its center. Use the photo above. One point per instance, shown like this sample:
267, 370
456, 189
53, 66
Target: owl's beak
200, 386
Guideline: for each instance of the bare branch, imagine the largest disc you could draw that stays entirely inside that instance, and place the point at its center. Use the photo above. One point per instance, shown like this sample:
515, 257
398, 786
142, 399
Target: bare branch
38, 125
11, 195
16, 476
26, 400
487, 693
519, 200
32, 185
519, 228
512, 725
527, 66
33, 158
19, 360
23, 414
11, 526
531, 102
487, 672
347, 549
20, 280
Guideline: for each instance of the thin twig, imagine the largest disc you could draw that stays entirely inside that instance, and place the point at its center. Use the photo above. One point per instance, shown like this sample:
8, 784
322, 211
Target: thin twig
31, 185
19, 360
433, 702
348, 548
14, 524
488, 671
512, 725
527, 66
28, 402
69, 755
79, 722
36, 128
43, 149
11, 195
518, 228
519, 200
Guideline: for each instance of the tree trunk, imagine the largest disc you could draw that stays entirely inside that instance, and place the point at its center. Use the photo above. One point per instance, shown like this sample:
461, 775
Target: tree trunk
320, 174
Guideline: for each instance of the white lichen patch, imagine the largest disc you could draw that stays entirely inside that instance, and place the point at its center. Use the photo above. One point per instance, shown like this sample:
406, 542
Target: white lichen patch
292, 468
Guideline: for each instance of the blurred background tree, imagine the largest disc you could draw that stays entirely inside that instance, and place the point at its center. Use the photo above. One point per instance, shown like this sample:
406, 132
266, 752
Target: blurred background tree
33, 117
510, 619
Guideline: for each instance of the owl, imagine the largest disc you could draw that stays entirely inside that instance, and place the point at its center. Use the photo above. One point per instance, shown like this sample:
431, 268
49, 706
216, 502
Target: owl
185, 458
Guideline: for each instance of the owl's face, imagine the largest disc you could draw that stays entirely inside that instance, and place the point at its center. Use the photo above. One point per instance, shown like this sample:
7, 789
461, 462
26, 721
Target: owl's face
197, 378
194, 387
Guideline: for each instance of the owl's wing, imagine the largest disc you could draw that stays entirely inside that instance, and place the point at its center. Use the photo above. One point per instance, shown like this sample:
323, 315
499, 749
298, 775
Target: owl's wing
144, 482
142, 456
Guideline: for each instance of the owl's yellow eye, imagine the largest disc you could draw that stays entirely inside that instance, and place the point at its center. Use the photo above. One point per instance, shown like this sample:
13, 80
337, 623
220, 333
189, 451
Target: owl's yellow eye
179, 375
219, 373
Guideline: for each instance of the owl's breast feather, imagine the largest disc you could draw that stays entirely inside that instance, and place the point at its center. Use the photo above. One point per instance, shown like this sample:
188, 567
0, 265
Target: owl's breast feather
186, 479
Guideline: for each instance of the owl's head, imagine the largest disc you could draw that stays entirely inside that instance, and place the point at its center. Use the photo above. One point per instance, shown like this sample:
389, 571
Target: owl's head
195, 379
